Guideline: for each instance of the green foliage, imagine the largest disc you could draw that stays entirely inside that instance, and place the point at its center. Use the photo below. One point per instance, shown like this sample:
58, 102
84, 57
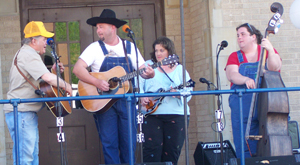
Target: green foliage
74, 54
74, 34
60, 31
137, 27
73, 77
140, 45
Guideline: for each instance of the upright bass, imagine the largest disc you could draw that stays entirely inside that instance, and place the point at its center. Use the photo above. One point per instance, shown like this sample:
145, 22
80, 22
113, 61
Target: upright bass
272, 107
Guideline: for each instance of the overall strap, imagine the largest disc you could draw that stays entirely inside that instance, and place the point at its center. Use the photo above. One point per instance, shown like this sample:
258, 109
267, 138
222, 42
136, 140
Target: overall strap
128, 47
125, 52
240, 56
105, 52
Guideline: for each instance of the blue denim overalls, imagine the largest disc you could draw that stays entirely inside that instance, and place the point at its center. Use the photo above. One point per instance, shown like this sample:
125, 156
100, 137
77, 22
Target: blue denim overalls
248, 70
112, 125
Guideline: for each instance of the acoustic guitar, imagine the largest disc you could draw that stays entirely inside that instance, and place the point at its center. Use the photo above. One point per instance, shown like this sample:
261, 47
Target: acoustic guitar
118, 84
51, 91
154, 102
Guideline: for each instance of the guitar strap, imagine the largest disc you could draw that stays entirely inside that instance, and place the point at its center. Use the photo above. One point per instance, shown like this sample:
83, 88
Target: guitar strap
37, 91
166, 73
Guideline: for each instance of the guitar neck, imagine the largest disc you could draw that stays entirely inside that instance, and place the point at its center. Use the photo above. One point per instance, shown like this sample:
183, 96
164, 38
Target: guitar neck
190, 83
135, 73
178, 87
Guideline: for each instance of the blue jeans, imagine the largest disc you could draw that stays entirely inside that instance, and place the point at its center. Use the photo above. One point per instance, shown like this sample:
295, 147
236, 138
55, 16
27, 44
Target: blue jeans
112, 127
235, 119
248, 70
28, 136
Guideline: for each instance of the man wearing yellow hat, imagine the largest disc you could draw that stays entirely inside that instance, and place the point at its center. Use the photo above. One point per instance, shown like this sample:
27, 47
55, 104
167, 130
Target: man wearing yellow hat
28, 62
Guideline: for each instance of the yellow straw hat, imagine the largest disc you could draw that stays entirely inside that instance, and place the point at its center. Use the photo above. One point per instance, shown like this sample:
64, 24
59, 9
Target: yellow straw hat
36, 28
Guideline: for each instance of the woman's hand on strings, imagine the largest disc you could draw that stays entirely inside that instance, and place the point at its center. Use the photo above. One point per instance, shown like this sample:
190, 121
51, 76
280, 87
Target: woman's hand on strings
145, 101
174, 90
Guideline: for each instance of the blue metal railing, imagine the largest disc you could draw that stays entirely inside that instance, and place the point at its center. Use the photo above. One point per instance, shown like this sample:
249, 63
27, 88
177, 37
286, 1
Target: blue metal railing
240, 92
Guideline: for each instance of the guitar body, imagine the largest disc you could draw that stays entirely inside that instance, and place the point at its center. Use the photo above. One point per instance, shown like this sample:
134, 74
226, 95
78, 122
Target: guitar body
51, 91
102, 105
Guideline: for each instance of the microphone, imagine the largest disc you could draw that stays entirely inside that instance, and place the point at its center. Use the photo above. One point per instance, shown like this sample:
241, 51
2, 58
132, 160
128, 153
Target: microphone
224, 44
203, 80
50, 41
127, 29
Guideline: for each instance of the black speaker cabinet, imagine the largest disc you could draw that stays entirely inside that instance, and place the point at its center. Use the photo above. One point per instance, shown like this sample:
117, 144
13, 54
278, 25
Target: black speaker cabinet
209, 153
152, 163
273, 160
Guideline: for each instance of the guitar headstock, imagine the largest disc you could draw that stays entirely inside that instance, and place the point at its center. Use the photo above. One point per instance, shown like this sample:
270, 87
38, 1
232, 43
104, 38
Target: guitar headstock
190, 83
275, 21
170, 60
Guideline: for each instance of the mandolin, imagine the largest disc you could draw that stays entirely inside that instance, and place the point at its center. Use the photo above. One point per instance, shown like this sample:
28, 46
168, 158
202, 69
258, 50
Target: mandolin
154, 102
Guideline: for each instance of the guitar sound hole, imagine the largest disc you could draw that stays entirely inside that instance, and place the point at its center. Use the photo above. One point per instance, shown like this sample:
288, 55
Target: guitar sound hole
113, 83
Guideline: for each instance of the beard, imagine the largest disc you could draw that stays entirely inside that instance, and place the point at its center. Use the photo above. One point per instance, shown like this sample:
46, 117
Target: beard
102, 38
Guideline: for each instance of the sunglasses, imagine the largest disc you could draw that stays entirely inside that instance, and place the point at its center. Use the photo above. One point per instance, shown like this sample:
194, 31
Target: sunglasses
250, 28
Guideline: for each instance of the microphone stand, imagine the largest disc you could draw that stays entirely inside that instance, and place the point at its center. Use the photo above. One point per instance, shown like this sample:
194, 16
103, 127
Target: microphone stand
219, 112
57, 104
208, 87
140, 135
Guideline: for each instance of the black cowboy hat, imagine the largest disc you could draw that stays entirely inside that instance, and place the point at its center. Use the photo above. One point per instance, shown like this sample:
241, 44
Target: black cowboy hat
107, 16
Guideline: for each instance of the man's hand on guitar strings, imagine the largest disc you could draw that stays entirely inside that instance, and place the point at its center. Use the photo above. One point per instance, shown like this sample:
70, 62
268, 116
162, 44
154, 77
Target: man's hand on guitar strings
68, 89
102, 85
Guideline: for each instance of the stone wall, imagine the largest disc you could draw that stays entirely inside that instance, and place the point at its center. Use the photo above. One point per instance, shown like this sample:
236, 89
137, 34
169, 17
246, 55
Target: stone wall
10, 42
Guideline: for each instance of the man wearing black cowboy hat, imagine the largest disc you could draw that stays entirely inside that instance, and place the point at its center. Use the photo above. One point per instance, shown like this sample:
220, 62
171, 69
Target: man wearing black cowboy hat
103, 55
